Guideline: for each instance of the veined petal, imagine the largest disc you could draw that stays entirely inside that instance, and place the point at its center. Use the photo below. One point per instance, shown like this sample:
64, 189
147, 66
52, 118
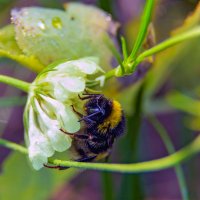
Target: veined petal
59, 141
37, 138
64, 114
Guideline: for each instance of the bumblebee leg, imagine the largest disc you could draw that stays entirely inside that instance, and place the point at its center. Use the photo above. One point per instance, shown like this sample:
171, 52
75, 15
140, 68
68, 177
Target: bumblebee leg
59, 167
75, 135
89, 96
107, 157
100, 109
56, 167
86, 159
84, 98
87, 118
81, 136
88, 93
70, 134
79, 114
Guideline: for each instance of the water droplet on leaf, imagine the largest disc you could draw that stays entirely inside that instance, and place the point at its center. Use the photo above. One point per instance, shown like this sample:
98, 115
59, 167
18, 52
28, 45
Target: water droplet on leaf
41, 25
57, 23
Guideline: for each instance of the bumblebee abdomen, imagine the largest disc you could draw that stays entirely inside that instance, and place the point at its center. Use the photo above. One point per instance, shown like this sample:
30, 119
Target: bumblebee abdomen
119, 129
100, 144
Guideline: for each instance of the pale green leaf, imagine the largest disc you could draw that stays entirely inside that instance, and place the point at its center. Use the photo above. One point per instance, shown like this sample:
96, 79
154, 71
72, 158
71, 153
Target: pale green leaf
25, 183
184, 103
52, 34
10, 49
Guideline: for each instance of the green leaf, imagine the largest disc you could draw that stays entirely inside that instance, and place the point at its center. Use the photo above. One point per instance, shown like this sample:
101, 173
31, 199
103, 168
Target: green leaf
7, 40
10, 49
193, 123
26, 183
52, 34
184, 103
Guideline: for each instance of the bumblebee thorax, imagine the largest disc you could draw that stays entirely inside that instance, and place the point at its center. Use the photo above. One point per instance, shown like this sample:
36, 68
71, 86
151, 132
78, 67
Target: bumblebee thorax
113, 119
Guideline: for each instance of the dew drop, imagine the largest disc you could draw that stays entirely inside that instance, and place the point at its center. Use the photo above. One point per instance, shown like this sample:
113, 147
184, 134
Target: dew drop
57, 23
41, 25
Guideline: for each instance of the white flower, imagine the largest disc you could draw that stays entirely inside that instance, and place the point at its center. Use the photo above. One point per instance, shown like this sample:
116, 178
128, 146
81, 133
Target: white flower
48, 109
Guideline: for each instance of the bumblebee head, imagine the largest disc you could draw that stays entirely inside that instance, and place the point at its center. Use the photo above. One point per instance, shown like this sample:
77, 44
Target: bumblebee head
98, 108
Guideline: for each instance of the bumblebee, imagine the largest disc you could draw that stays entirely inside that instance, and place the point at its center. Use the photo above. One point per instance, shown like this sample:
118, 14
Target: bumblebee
104, 121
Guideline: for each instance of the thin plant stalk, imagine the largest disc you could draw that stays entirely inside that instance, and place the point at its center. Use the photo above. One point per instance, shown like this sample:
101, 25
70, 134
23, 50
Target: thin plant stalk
22, 85
147, 166
170, 148
145, 20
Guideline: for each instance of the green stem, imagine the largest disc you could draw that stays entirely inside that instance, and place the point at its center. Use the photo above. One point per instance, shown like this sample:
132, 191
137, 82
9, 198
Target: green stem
22, 85
13, 146
107, 185
111, 73
146, 17
195, 32
124, 48
170, 148
147, 166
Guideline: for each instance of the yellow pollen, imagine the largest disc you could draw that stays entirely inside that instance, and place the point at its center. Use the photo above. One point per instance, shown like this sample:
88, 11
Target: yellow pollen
113, 119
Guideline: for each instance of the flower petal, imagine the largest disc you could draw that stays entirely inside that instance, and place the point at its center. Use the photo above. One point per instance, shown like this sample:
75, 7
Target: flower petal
36, 157
69, 69
59, 140
79, 68
36, 137
64, 114
60, 93
73, 84
87, 65
70, 121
